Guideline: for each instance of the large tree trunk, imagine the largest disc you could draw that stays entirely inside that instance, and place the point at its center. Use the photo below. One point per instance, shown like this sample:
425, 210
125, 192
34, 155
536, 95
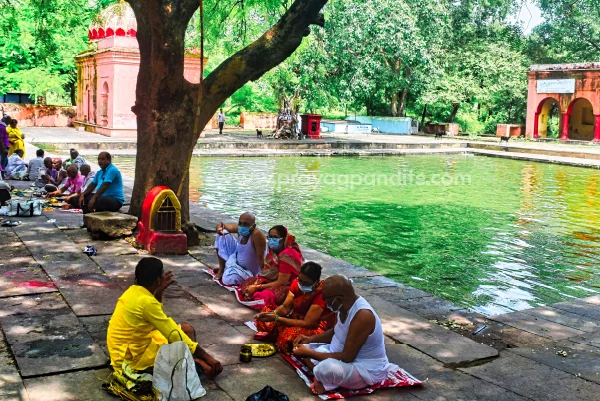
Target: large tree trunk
423, 116
394, 105
166, 103
455, 107
401, 102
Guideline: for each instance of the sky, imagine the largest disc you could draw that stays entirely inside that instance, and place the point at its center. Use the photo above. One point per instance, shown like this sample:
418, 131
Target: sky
530, 16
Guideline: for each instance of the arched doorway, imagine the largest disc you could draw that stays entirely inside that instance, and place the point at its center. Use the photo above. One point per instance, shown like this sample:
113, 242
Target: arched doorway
547, 118
104, 108
88, 102
581, 120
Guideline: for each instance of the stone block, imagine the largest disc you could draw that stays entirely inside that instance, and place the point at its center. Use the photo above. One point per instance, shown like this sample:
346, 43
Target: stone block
444, 345
430, 307
24, 279
565, 318
206, 255
11, 388
112, 224
75, 386
97, 326
580, 307
578, 359
222, 302
534, 380
535, 325
46, 337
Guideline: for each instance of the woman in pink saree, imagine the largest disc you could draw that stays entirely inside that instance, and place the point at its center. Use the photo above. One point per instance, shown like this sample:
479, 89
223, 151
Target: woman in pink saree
282, 266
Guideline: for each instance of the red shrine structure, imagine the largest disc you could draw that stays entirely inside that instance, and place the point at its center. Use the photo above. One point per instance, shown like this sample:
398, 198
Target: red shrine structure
570, 90
160, 225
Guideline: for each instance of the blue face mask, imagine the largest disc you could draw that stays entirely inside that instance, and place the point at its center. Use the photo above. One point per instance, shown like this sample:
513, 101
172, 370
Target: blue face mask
305, 288
243, 231
331, 308
274, 242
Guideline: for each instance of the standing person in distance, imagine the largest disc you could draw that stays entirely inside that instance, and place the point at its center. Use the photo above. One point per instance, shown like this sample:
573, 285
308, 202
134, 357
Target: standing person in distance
221, 121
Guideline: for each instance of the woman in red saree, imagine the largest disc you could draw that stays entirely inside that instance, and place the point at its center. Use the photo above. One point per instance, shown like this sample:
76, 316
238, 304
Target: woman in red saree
303, 312
282, 266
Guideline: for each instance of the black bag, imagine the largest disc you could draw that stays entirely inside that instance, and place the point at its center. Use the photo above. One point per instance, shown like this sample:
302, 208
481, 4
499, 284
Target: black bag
268, 394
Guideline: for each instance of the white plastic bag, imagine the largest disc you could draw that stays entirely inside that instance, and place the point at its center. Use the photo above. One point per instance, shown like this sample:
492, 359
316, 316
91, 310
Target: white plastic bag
175, 376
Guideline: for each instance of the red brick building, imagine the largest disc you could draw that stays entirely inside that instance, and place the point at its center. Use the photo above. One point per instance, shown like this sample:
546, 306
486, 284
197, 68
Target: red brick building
570, 90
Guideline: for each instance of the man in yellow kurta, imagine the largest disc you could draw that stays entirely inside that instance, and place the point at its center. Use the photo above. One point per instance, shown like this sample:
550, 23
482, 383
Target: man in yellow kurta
139, 326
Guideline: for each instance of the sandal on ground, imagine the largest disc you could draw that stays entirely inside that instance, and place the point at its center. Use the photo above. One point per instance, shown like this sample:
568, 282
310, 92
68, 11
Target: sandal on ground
10, 223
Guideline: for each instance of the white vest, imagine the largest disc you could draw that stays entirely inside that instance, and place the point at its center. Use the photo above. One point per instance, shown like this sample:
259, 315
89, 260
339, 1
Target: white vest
371, 361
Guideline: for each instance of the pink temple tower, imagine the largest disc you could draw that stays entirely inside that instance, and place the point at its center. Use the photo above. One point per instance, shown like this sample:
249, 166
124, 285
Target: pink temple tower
107, 73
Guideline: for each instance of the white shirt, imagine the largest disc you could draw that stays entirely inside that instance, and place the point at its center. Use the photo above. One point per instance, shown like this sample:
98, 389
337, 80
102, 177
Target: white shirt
221, 117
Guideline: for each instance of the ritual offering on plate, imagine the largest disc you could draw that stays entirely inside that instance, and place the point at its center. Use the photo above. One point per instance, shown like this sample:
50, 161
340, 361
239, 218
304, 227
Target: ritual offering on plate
245, 353
262, 350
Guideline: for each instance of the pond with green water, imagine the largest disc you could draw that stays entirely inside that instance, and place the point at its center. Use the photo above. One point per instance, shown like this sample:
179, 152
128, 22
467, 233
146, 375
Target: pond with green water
490, 234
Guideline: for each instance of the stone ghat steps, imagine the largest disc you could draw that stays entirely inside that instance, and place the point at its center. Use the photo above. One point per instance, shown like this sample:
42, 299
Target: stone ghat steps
593, 154
256, 144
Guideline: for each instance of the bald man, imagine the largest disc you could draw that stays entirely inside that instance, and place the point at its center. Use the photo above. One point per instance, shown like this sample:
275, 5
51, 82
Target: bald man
352, 354
73, 184
242, 258
108, 185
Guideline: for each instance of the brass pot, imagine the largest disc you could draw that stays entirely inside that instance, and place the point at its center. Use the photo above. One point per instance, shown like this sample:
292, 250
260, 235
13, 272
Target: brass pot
245, 354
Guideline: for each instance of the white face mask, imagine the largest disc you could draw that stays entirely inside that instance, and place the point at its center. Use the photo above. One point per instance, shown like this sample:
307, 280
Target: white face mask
336, 310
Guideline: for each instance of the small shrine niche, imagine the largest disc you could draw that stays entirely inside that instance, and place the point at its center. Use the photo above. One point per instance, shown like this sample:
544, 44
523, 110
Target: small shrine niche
166, 217
160, 225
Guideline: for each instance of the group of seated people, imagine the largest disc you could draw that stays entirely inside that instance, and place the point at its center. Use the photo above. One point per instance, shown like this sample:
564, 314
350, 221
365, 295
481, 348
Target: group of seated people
335, 332
84, 189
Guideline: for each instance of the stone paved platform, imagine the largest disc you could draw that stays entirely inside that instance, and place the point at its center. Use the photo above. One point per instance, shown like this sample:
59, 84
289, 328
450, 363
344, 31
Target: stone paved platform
53, 344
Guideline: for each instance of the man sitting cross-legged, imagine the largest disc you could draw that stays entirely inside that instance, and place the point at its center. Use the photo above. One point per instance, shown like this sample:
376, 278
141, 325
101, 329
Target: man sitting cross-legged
138, 326
242, 258
105, 192
352, 354
73, 184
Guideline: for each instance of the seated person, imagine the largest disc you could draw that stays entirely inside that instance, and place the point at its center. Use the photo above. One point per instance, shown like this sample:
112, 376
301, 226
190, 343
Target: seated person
15, 138
72, 185
242, 258
51, 177
282, 266
34, 168
303, 312
139, 327
16, 167
62, 173
87, 177
105, 193
352, 354
75, 159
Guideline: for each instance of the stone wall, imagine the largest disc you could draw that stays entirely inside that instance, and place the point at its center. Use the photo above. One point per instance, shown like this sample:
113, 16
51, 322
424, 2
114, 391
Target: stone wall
32, 115
258, 120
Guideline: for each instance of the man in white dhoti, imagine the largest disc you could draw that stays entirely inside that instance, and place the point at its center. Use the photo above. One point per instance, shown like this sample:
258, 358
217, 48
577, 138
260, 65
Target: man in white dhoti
352, 354
241, 258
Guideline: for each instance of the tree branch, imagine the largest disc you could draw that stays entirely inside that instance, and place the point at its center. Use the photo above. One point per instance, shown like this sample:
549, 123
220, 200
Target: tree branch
271, 49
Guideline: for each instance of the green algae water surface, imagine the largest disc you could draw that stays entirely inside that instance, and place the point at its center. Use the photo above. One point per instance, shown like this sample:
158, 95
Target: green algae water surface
490, 234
